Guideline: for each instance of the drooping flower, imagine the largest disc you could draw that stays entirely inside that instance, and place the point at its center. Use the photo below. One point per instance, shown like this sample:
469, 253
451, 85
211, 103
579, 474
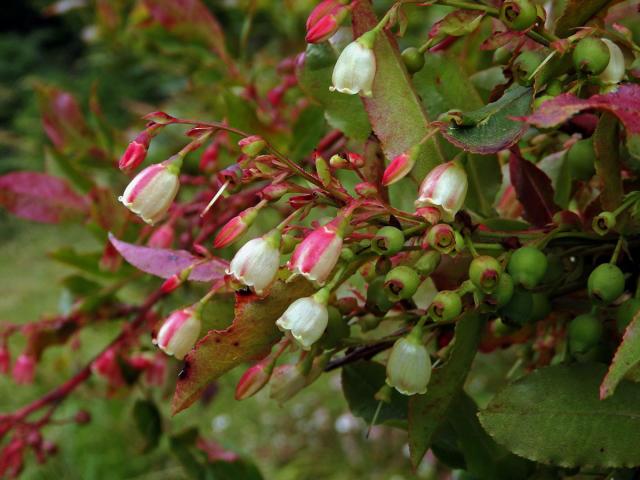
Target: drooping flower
614, 72
306, 319
179, 332
445, 187
409, 364
151, 193
316, 256
256, 263
355, 68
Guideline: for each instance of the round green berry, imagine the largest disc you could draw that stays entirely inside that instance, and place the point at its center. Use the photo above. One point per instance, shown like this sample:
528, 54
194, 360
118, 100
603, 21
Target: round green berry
387, 241
413, 59
584, 333
484, 273
446, 306
401, 283
626, 312
518, 14
377, 300
527, 266
501, 55
524, 66
554, 88
605, 284
581, 157
591, 56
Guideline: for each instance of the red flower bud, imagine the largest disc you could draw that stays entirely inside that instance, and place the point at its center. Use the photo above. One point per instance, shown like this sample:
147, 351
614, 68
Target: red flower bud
135, 153
253, 379
24, 369
162, 237
324, 20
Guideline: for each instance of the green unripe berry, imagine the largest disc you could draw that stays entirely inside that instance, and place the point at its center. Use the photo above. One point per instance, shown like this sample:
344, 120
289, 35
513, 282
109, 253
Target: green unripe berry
527, 266
484, 273
554, 88
518, 14
446, 306
581, 157
605, 284
626, 312
584, 333
413, 59
526, 307
401, 283
347, 254
337, 329
388, 241
591, 56
501, 55
505, 289
603, 223
500, 329
428, 263
524, 66
377, 300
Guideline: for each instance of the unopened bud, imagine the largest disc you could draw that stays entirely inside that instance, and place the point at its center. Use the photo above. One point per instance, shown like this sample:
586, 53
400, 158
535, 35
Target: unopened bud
338, 161
366, 189
254, 379
252, 145
322, 168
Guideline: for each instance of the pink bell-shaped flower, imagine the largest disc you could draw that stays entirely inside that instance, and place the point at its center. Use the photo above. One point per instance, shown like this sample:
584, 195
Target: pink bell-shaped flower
179, 332
445, 187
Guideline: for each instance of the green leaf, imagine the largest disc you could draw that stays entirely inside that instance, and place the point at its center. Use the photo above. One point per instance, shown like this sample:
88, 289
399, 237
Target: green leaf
427, 411
307, 132
626, 358
85, 262
344, 112
576, 13
360, 382
444, 85
485, 177
608, 168
484, 458
149, 422
491, 128
395, 111
236, 470
562, 185
251, 335
554, 416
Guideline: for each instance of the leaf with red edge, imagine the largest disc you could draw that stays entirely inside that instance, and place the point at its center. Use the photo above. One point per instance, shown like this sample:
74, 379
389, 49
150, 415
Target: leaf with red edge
624, 103
190, 19
164, 263
250, 336
395, 112
533, 189
626, 358
40, 197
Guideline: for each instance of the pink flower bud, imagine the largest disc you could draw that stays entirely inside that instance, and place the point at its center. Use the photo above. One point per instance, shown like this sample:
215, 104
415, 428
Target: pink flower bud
162, 237
445, 187
355, 68
171, 284
274, 191
24, 369
235, 227
179, 332
254, 379
252, 145
399, 167
5, 359
316, 256
107, 365
286, 381
135, 153
366, 189
161, 118
306, 319
156, 373
151, 193
256, 263
355, 160
324, 20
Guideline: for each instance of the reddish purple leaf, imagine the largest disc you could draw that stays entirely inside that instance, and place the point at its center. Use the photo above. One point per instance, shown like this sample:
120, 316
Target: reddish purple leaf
164, 263
40, 197
624, 103
62, 118
533, 189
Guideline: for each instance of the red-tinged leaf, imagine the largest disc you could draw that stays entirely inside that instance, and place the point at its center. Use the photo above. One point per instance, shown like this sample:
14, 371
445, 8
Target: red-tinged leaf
62, 118
533, 189
164, 263
251, 335
428, 411
40, 197
627, 356
607, 163
456, 24
576, 13
190, 18
396, 115
624, 103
